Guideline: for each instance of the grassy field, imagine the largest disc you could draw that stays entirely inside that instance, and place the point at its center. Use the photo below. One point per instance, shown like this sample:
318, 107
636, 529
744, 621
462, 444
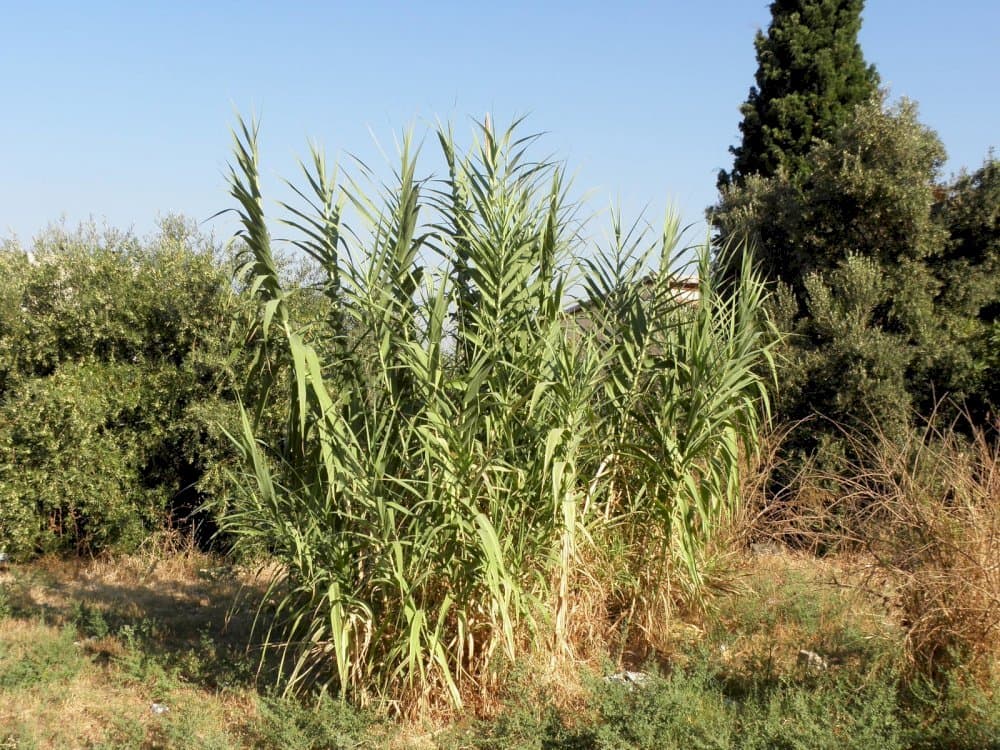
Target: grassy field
149, 651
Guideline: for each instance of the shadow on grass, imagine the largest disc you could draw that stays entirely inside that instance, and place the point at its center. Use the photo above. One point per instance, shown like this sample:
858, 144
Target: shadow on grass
189, 619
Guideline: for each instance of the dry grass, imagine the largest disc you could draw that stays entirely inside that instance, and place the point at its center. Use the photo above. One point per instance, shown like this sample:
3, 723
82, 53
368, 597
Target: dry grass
163, 619
784, 602
184, 591
94, 707
929, 512
924, 517
99, 693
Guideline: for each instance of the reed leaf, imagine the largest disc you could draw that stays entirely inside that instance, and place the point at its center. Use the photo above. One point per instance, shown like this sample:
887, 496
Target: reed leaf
456, 435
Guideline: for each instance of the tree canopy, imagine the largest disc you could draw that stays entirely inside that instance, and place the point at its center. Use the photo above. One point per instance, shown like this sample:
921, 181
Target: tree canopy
811, 73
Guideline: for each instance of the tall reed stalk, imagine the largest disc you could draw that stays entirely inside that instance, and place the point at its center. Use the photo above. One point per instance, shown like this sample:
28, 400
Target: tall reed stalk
454, 436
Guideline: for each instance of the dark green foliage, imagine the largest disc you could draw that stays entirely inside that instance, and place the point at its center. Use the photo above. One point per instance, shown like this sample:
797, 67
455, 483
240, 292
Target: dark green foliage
970, 263
853, 246
869, 191
845, 363
89, 620
327, 725
889, 281
969, 271
115, 364
810, 75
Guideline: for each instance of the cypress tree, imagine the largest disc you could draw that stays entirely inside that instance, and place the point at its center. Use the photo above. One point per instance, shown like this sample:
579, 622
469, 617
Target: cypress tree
811, 74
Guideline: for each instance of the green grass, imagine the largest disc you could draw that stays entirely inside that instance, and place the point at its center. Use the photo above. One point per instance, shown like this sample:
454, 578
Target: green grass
698, 706
41, 663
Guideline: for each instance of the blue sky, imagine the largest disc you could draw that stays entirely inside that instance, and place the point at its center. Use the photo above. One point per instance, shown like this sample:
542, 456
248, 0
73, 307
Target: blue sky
122, 111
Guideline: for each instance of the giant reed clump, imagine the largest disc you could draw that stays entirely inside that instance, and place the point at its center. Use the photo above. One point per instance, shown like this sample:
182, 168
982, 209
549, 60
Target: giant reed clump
455, 439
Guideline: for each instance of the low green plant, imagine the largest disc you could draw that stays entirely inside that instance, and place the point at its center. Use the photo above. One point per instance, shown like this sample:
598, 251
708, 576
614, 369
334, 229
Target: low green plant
956, 712
326, 724
139, 663
695, 707
125, 733
90, 620
686, 709
831, 712
184, 727
49, 660
780, 612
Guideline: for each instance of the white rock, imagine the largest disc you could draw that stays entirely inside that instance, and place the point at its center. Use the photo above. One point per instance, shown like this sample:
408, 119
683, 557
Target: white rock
628, 678
812, 660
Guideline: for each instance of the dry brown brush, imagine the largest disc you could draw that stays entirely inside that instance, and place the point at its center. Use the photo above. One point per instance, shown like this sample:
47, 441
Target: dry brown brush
925, 511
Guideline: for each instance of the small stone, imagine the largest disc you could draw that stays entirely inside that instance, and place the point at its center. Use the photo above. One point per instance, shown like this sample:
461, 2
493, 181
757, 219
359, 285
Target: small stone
812, 660
631, 679
159, 708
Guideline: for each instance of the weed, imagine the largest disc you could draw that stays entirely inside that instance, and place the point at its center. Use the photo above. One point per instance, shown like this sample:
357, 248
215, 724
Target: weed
834, 712
924, 511
189, 729
327, 725
90, 620
685, 709
40, 662
125, 733
955, 713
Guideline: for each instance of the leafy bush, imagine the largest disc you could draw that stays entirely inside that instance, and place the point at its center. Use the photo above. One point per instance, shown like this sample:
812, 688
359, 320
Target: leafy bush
887, 280
969, 270
853, 243
115, 370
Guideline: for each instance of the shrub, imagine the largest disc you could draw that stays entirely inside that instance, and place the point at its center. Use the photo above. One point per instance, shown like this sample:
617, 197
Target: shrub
682, 710
327, 725
115, 366
835, 713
